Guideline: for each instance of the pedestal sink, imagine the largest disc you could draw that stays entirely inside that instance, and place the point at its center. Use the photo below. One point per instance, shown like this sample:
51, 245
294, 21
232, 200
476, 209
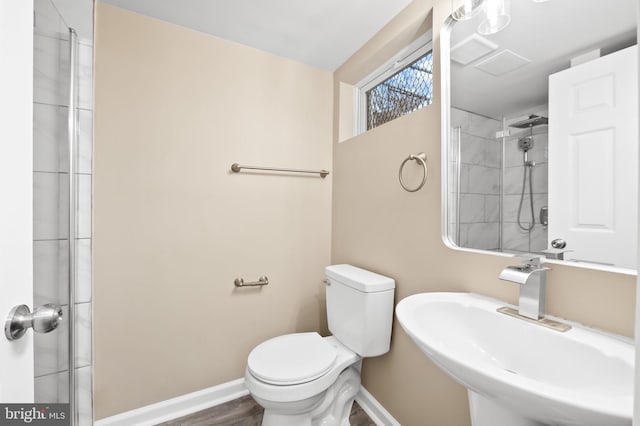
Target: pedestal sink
519, 373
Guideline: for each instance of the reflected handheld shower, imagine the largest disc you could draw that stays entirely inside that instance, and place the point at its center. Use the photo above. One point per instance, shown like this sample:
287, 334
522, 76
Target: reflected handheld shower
525, 144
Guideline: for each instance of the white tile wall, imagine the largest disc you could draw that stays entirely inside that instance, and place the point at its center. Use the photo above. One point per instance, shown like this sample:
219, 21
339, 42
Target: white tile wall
85, 76
482, 180
492, 208
479, 181
84, 381
51, 272
83, 186
483, 235
473, 149
539, 238
511, 203
47, 20
50, 206
83, 278
51, 70
83, 335
541, 178
514, 178
52, 387
514, 238
49, 138
85, 141
472, 208
493, 154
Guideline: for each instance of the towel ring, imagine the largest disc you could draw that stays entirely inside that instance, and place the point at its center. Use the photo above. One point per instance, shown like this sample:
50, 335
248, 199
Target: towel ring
422, 159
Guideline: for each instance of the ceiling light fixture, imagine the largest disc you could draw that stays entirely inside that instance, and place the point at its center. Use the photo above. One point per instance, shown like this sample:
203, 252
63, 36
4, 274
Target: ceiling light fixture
497, 16
465, 9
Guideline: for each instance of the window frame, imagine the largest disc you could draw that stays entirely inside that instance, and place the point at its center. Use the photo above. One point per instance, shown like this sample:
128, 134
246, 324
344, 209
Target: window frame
418, 48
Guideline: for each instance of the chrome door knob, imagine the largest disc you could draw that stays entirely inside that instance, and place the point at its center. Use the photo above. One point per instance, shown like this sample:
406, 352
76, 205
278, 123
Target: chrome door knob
44, 319
558, 243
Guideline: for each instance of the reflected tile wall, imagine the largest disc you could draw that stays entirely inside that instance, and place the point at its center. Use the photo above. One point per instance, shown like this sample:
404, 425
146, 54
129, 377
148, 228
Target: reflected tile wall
51, 177
51, 69
480, 176
491, 181
49, 138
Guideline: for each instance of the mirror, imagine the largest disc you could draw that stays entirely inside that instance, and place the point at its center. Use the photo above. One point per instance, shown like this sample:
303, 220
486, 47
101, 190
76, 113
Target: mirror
541, 155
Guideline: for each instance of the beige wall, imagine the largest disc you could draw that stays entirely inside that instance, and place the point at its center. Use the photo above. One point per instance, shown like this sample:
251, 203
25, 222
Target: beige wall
379, 226
174, 109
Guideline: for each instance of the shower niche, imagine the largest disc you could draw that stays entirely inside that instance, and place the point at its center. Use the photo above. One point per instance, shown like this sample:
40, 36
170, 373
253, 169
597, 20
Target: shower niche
540, 154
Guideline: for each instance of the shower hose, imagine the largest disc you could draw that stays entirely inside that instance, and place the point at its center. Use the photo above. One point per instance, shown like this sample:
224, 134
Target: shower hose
527, 165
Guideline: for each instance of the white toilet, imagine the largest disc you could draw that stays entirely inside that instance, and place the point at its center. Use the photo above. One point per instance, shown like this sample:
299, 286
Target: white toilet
303, 379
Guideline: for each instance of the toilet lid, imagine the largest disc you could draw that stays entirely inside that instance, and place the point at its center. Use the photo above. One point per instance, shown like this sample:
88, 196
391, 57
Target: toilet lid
291, 359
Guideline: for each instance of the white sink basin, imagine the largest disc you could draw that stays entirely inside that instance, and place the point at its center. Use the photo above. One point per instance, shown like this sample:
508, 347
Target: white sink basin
519, 373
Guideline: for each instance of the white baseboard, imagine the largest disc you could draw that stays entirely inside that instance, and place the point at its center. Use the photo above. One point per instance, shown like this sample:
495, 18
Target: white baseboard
206, 398
374, 409
177, 407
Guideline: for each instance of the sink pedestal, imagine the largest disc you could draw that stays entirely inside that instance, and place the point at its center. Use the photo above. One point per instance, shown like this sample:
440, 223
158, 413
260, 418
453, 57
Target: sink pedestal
486, 412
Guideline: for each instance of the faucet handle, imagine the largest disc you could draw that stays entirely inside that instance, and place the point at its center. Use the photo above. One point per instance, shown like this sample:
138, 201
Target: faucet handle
531, 259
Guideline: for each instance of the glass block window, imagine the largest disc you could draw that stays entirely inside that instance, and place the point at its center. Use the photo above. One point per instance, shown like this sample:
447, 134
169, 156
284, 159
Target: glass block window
407, 90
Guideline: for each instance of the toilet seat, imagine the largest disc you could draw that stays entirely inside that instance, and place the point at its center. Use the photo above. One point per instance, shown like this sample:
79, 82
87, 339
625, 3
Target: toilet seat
292, 359
288, 393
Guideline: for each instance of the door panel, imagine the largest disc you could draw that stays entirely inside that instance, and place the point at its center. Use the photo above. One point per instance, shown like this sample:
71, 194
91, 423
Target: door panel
16, 159
593, 152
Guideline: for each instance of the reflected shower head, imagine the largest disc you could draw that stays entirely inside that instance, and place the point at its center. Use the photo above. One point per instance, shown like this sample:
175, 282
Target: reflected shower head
532, 121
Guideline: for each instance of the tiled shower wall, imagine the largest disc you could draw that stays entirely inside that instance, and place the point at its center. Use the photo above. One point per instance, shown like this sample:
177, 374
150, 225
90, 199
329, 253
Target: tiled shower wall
51, 196
480, 175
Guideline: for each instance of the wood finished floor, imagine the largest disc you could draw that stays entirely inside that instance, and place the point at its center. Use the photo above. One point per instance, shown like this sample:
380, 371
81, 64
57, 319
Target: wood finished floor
246, 412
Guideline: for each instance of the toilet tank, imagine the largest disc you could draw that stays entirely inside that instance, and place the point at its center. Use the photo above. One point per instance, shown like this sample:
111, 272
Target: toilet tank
360, 309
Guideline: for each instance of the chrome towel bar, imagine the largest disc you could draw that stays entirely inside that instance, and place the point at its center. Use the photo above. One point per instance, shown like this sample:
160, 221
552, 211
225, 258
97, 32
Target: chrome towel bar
235, 167
263, 280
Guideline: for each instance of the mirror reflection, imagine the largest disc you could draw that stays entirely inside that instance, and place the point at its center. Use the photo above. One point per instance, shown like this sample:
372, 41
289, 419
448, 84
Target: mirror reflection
542, 149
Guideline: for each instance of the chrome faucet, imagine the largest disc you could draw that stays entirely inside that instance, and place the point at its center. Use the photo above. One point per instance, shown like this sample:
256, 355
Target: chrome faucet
532, 277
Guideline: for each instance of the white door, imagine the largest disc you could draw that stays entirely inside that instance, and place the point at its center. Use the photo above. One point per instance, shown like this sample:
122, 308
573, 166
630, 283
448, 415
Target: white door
16, 164
593, 154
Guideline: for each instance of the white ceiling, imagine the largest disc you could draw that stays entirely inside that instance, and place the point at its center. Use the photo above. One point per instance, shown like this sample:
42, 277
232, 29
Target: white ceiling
323, 34
547, 34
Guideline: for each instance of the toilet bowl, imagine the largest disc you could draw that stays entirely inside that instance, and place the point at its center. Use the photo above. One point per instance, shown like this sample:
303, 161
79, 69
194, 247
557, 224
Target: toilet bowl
296, 378
303, 379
